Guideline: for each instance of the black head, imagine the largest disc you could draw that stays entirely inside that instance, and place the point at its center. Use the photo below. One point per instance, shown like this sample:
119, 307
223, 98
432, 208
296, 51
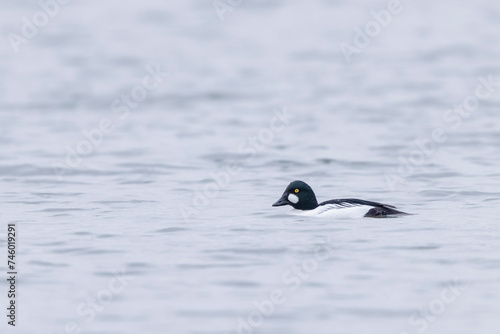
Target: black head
299, 195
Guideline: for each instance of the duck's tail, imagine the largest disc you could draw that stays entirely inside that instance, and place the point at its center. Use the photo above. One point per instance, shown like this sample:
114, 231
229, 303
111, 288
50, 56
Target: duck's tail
385, 212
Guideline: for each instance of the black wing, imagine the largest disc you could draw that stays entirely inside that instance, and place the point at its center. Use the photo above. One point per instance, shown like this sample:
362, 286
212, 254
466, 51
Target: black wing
378, 210
354, 202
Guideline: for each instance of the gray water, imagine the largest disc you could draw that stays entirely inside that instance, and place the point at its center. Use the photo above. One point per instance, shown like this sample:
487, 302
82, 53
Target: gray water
164, 223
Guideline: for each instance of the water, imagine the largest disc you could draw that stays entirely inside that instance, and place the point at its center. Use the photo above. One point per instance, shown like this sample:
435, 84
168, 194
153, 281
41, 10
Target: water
137, 236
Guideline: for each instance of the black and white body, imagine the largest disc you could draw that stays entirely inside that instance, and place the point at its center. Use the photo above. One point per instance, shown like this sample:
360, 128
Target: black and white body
301, 197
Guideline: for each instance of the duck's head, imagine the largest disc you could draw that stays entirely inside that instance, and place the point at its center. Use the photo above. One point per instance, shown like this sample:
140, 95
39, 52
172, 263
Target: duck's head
299, 195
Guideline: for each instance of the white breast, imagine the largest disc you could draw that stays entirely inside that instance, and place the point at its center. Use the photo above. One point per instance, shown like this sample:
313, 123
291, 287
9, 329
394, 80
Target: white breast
335, 211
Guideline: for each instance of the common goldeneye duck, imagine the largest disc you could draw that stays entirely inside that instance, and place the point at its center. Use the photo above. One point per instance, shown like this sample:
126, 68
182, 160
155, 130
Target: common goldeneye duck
301, 197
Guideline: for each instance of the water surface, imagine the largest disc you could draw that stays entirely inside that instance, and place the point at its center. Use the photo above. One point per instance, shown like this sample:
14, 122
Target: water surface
166, 224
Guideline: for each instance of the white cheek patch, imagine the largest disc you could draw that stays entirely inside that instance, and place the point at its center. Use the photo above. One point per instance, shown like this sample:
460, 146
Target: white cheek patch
293, 198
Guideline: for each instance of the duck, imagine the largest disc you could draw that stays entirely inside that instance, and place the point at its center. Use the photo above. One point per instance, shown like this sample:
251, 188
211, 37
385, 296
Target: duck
301, 197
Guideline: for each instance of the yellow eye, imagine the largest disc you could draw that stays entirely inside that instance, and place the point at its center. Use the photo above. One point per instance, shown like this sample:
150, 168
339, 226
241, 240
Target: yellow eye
296, 190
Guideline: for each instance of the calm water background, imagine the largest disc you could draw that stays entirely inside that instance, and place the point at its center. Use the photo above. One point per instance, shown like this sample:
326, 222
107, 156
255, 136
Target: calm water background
120, 210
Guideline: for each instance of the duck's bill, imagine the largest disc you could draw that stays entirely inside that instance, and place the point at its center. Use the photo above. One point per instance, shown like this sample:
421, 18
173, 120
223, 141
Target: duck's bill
282, 201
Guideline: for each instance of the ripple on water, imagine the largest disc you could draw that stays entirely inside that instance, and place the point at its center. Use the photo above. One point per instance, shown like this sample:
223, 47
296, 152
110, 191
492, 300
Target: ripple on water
248, 250
375, 312
138, 265
106, 236
492, 199
218, 265
172, 229
82, 233
57, 194
60, 210
238, 283
51, 243
29, 202
113, 273
86, 251
204, 313
103, 251
421, 247
133, 201
47, 264
350, 163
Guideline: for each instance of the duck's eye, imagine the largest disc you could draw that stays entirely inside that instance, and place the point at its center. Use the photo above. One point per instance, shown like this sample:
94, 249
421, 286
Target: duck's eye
296, 190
